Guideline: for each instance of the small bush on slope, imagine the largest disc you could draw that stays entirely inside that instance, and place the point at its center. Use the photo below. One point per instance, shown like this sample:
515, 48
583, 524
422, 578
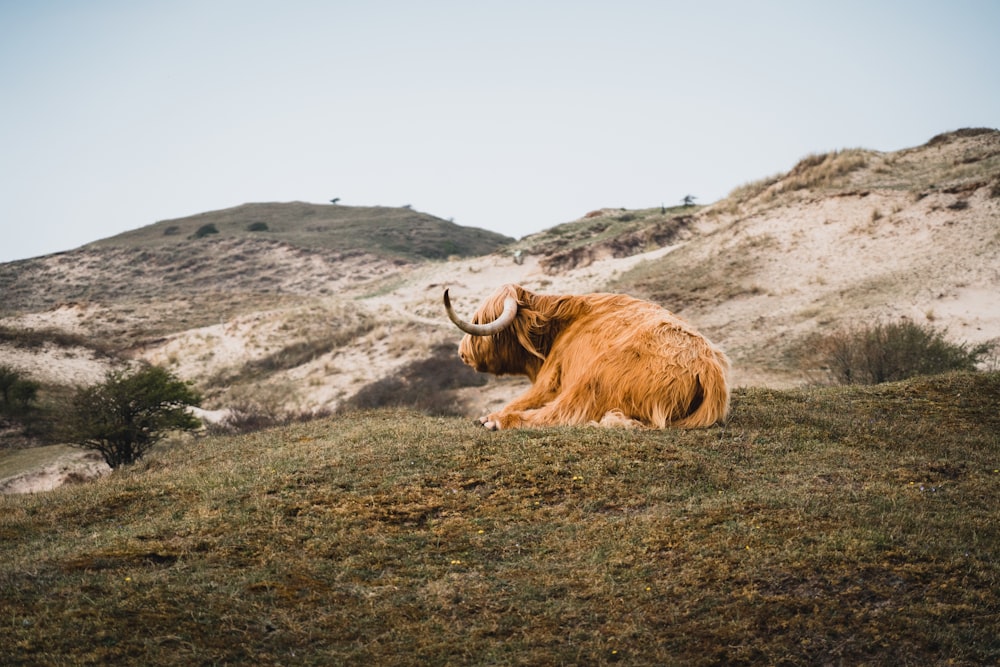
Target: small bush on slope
887, 352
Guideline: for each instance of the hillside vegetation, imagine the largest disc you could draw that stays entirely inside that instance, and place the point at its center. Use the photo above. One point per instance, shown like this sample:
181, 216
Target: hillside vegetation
383, 231
821, 526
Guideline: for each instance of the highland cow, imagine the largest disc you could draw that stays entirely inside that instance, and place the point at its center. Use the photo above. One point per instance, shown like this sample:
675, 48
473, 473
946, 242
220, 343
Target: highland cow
606, 359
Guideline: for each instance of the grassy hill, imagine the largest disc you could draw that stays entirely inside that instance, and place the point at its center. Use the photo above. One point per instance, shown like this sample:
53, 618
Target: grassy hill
291, 249
385, 231
174, 276
821, 526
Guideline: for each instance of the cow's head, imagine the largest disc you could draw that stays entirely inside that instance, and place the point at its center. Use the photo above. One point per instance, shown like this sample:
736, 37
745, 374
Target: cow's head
503, 335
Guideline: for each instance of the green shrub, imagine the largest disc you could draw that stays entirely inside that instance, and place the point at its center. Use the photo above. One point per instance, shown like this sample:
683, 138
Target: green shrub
206, 230
128, 413
887, 352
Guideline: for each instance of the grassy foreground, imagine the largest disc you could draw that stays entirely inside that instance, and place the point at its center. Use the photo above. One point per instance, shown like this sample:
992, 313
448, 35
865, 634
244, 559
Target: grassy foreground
836, 525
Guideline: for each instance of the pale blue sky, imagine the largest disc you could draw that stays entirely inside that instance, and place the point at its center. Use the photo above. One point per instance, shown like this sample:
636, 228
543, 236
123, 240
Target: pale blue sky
513, 116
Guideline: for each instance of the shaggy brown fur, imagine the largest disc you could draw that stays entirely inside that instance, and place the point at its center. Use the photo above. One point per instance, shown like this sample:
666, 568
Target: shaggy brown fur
600, 358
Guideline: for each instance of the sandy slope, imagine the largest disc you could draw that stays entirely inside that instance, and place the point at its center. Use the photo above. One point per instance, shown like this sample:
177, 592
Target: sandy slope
830, 263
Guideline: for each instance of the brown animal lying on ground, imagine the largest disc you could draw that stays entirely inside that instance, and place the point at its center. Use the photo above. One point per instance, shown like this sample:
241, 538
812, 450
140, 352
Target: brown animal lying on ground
609, 359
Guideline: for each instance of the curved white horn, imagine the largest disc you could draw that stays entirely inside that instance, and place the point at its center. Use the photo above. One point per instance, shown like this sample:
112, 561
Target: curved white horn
496, 326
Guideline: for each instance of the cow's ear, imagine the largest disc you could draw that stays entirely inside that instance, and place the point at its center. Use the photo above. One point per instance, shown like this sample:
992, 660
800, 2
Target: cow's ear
529, 327
522, 295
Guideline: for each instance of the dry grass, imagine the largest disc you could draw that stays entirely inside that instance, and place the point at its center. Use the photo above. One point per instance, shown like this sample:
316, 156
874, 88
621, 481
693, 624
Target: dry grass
960, 161
827, 169
838, 525
817, 171
748, 191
